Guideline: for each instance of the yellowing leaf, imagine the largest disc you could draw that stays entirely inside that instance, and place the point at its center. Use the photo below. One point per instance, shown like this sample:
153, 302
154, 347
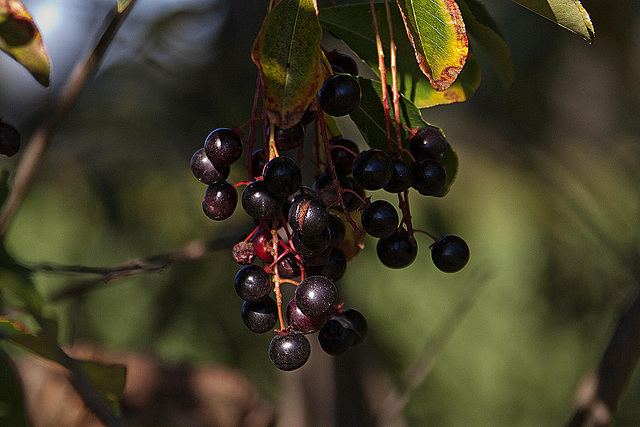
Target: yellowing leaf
287, 53
122, 4
437, 33
20, 38
569, 14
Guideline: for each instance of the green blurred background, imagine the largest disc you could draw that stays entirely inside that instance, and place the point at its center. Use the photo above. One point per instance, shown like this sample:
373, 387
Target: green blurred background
547, 198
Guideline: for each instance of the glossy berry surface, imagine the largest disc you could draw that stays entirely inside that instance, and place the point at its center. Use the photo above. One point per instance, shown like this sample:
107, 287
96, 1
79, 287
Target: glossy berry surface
341, 158
317, 259
282, 176
220, 201
288, 267
311, 245
397, 250
356, 322
223, 147
308, 216
263, 245
334, 338
342, 63
401, 178
205, 171
9, 139
315, 296
258, 161
252, 283
290, 351
334, 268
450, 253
260, 203
380, 219
428, 143
373, 169
290, 138
323, 186
428, 177
300, 322
337, 229
339, 95
260, 316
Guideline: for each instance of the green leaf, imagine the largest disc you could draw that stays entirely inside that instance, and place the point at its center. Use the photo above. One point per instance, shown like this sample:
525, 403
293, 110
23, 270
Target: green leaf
437, 33
287, 53
569, 14
369, 117
352, 24
108, 379
20, 38
122, 5
12, 411
485, 31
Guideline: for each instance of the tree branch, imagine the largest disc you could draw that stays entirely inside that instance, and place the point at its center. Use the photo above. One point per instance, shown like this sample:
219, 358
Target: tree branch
34, 152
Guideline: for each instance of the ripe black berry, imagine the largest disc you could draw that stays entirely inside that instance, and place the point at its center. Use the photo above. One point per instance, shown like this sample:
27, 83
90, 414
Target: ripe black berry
308, 216
290, 138
282, 176
380, 219
252, 283
428, 177
220, 201
337, 229
260, 316
308, 117
317, 259
300, 322
428, 143
342, 63
339, 95
223, 147
334, 338
258, 161
401, 178
288, 267
311, 245
397, 250
9, 139
205, 171
315, 296
323, 186
354, 320
260, 203
334, 268
341, 158
290, 351
450, 253
373, 169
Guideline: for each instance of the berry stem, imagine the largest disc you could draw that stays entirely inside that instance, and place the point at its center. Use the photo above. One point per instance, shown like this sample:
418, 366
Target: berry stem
394, 79
273, 151
255, 230
406, 212
276, 277
434, 238
383, 76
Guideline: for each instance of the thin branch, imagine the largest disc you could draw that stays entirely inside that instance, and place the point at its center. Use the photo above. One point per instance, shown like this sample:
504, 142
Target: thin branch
32, 158
191, 251
599, 393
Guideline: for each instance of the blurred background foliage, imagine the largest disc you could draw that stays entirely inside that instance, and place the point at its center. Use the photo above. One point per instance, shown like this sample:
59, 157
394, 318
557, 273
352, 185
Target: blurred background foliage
547, 197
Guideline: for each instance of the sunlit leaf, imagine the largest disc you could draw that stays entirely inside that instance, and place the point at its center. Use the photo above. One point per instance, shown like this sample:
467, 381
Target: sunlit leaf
352, 24
287, 53
108, 379
437, 33
122, 4
12, 411
485, 31
369, 117
569, 14
20, 38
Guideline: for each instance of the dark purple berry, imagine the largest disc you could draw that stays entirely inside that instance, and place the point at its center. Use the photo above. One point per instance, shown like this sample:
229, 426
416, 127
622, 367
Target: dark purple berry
342, 63
288, 267
428, 143
334, 268
450, 253
315, 296
308, 117
290, 351
373, 169
334, 338
401, 178
252, 283
258, 161
428, 177
323, 186
260, 203
341, 158
311, 245
300, 322
260, 316
205, 171
339, 95
290, 138
318, 259
354, 320
380, 219
223, 147
9, 139
397, 250
220, 201
308, 216
337, 229
282, 176
263, 245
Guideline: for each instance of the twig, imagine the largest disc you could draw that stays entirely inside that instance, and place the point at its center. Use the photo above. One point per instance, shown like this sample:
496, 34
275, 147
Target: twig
598, 394
191, 251
34, 152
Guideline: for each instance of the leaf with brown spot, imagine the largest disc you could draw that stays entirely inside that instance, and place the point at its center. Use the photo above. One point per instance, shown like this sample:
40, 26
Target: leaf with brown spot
437, 33
20, 38
287, 53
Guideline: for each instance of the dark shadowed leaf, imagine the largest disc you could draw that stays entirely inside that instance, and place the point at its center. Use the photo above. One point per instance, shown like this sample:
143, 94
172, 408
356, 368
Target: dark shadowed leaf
20, 38
569, 14
352, 24
436, 31
12, 411
369, 117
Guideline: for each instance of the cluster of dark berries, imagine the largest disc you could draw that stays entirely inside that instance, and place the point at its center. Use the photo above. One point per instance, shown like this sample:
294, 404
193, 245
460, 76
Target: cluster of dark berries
300, 231
9, 139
